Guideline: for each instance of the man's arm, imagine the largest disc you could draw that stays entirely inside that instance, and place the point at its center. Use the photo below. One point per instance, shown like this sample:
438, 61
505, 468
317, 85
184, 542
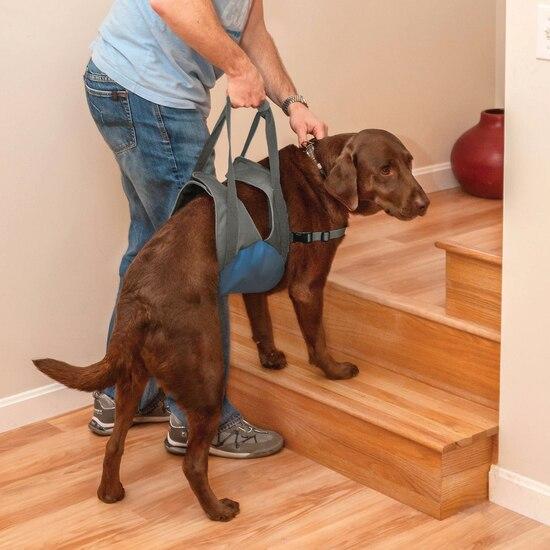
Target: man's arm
196, 23
259, 45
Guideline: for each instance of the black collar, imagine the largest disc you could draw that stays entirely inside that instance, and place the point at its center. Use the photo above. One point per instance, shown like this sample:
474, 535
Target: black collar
310, 152
307, 237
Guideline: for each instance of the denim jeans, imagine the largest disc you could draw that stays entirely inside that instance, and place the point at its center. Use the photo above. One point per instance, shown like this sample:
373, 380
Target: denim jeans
156, 148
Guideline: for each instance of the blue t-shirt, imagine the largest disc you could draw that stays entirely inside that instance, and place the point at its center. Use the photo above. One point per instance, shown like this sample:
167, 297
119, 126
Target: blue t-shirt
138, 50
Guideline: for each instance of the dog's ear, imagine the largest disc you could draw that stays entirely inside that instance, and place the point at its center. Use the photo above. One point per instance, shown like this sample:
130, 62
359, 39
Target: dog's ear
341, 183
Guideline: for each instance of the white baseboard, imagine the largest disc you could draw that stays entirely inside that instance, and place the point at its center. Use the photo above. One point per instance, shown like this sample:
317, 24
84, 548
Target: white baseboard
435, 177
39, 404
519, 493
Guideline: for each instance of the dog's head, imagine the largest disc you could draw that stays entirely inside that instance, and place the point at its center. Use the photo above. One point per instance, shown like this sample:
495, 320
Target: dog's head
372, 173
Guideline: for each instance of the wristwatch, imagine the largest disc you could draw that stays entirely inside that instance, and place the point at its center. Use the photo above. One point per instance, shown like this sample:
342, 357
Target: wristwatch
293, 99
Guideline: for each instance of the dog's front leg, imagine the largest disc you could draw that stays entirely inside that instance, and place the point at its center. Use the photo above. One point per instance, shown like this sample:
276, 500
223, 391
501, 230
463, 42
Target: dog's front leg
308, 305
257, 309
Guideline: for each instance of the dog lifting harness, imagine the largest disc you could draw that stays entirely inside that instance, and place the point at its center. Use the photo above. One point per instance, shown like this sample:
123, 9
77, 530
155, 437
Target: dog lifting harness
247, 262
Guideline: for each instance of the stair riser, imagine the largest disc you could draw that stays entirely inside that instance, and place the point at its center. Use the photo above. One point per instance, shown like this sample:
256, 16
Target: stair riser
362, 330
473, 289
437, 483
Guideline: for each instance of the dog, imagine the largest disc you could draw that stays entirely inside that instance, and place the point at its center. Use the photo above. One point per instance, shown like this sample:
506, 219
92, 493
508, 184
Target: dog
167, 323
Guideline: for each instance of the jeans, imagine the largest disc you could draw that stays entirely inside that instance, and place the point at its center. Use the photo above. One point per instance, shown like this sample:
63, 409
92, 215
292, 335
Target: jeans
156, 148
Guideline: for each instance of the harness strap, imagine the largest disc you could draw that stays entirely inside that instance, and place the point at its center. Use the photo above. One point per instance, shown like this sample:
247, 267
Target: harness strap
232, 201
308, 237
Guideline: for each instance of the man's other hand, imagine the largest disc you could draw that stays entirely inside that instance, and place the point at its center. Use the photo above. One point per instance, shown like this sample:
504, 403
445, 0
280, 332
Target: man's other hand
304, 122
246, 88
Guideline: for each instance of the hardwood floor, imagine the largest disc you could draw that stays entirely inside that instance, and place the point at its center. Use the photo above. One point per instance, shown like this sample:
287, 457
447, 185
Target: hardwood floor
49, 473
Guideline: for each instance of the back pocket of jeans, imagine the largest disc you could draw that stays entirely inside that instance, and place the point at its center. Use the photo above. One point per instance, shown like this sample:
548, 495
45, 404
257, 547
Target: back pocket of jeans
110, 109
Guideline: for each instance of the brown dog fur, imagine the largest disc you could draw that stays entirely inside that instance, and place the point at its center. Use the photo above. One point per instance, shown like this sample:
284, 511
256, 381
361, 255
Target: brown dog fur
167, 322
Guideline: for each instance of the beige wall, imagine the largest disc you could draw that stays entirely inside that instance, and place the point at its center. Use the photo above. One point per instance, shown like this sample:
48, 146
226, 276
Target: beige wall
62, 215
500, 58
421, 68
525, 372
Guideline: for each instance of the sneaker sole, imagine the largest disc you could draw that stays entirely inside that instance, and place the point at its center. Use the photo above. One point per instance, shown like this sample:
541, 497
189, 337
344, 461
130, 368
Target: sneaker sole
180, 449
102, 428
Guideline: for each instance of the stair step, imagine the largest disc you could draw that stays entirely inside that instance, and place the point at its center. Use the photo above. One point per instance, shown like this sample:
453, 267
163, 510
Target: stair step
416, 443
407, 407
474, 277
426, 345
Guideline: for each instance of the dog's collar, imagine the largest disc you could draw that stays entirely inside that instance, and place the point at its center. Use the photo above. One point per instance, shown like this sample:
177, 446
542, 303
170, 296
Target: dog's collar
308, 237
310, 152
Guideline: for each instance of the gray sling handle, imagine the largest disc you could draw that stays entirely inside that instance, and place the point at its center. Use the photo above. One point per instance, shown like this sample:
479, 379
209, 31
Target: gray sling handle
264, 111
213, 139
232, 223
279, 215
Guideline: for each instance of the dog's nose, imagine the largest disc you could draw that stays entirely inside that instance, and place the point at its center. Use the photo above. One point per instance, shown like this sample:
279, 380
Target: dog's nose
421, 204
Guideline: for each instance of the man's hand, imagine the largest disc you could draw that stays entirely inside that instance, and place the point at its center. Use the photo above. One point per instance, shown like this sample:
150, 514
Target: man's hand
304, 122
246, 88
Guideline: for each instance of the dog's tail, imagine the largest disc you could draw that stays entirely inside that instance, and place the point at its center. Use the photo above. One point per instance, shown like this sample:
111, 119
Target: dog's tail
94, 377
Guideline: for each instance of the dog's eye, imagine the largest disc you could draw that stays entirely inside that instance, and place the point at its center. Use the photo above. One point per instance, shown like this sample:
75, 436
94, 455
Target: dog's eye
385, 170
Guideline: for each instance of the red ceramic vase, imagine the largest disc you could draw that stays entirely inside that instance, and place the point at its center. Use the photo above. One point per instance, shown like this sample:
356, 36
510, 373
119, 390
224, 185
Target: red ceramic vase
478, 156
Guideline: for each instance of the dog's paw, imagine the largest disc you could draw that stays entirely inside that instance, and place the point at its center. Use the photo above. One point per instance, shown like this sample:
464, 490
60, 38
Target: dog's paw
110, 494
275, 360
342, 371
225, 511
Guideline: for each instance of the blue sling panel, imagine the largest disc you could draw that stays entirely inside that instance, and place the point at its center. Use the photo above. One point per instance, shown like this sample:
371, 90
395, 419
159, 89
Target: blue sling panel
247, 262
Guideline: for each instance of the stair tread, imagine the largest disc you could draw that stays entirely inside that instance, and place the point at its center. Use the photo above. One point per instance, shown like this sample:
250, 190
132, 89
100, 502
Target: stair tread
485, 240
468, 251
412, 409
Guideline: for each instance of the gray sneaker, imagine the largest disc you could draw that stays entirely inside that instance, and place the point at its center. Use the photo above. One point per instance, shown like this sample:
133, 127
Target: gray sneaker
103, 420
237, 439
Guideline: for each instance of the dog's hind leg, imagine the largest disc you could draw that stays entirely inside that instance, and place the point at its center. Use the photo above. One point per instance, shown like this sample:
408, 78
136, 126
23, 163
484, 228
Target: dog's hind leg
200, 395
194, 377
128, 393
257, 309
203, 424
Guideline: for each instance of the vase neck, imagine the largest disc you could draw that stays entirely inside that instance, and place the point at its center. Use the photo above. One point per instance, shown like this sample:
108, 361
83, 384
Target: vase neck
492, 117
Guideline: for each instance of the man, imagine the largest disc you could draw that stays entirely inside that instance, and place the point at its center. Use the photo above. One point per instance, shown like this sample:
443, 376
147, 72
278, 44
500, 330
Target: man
148, 89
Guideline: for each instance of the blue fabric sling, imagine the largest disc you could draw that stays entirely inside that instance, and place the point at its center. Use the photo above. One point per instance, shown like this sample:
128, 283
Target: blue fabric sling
248, 263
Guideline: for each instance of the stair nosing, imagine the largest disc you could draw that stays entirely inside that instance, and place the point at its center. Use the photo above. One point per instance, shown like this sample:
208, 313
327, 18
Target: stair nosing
454, 247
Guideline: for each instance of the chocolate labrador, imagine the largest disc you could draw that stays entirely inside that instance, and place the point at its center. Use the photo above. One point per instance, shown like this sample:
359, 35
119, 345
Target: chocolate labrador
167, 314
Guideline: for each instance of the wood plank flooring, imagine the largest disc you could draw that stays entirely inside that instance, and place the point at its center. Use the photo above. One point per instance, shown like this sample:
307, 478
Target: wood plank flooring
49, 473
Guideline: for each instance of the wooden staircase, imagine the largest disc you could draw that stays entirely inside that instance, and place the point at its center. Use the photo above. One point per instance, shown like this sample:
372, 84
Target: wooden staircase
419, 422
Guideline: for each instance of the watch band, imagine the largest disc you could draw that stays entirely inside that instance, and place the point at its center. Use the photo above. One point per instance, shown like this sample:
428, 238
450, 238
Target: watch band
293, 99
